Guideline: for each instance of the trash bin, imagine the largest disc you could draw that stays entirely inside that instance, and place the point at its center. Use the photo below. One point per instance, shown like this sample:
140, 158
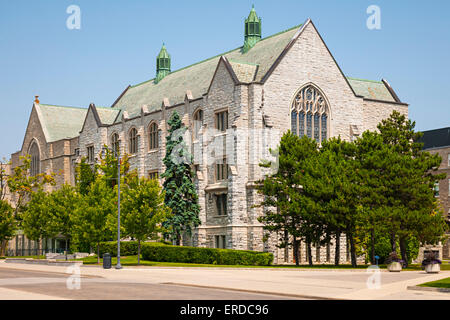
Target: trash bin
106, 261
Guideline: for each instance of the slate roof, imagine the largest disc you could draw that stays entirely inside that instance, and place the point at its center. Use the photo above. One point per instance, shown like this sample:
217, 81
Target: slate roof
197, 77
436, 138
370, 89
107, 115
66, 122
60, 122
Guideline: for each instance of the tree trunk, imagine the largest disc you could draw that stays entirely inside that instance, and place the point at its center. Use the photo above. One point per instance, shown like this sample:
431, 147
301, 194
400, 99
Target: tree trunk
139, 251
372, 246
393, 242
403, 251
66, 248
337, 253
308, 246
98, 253
296, 251
352, 249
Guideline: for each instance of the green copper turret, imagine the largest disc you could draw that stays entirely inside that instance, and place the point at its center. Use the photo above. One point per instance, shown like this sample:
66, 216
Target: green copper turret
252, 30
162, 64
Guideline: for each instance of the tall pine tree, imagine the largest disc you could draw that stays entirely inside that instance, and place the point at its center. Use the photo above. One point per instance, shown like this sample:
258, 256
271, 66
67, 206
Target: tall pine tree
181, 195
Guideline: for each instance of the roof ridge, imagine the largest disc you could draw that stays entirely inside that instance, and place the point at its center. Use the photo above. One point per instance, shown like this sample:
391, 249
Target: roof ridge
57, 106
366, 80
221, 54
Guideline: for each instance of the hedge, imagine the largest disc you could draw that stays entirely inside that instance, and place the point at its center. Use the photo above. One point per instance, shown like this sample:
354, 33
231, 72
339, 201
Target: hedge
169, 253
127, 248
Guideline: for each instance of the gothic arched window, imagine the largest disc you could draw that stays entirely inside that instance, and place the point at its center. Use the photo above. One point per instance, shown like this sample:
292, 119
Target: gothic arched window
133, 141
309, 114
153, 136
115, 142
35, 165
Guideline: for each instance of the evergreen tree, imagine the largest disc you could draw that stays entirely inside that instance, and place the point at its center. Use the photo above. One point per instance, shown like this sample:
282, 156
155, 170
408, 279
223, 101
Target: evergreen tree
333, 187
290, 211
181, 196
411, 181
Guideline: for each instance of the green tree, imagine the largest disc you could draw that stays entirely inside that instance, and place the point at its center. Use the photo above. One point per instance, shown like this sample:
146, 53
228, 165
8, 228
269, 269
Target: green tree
63, 203
290, 211
85, 175
181, 196
333, 187
411, 183
23, 185
95, 218
37, 222
144, 211
8, 224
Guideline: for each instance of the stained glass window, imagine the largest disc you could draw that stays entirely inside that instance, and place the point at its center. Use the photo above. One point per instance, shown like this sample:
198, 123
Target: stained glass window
309, 102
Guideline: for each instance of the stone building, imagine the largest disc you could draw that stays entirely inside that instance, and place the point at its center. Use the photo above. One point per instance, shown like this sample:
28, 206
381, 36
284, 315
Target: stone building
241, 101
438, 141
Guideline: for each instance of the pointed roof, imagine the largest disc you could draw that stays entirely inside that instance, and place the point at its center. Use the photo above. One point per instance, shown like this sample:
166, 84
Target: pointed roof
60, 122
163, 52
253, 17
197, 77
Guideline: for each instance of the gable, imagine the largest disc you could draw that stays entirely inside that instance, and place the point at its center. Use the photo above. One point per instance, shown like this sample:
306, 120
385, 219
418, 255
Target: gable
35, 132
60, 122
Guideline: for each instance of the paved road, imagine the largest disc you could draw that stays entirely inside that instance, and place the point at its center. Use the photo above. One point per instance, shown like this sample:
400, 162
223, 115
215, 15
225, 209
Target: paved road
54, 285
26, 281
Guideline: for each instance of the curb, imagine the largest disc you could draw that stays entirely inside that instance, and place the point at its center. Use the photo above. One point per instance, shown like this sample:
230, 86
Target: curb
48, 262
433, 289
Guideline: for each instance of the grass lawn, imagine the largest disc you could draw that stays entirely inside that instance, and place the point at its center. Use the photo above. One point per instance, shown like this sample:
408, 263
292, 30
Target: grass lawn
132, 261
443, 283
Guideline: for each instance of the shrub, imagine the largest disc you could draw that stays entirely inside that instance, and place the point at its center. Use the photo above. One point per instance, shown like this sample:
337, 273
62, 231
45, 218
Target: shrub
127, 248
169, 253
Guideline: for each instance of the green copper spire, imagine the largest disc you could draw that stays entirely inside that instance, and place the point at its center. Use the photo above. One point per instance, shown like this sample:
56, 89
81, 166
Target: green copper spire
162, 64
252, 30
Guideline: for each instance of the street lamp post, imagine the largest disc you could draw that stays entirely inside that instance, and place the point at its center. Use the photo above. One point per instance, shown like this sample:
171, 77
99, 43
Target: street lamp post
118, 266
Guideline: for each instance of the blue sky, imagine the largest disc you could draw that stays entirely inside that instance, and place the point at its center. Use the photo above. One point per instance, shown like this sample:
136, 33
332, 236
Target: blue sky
119, 40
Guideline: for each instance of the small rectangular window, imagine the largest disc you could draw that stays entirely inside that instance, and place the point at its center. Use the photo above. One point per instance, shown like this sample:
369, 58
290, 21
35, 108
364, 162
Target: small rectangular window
153, 175
222, 170
221, 204
222, 121
90, 154
448, 159
220, 241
